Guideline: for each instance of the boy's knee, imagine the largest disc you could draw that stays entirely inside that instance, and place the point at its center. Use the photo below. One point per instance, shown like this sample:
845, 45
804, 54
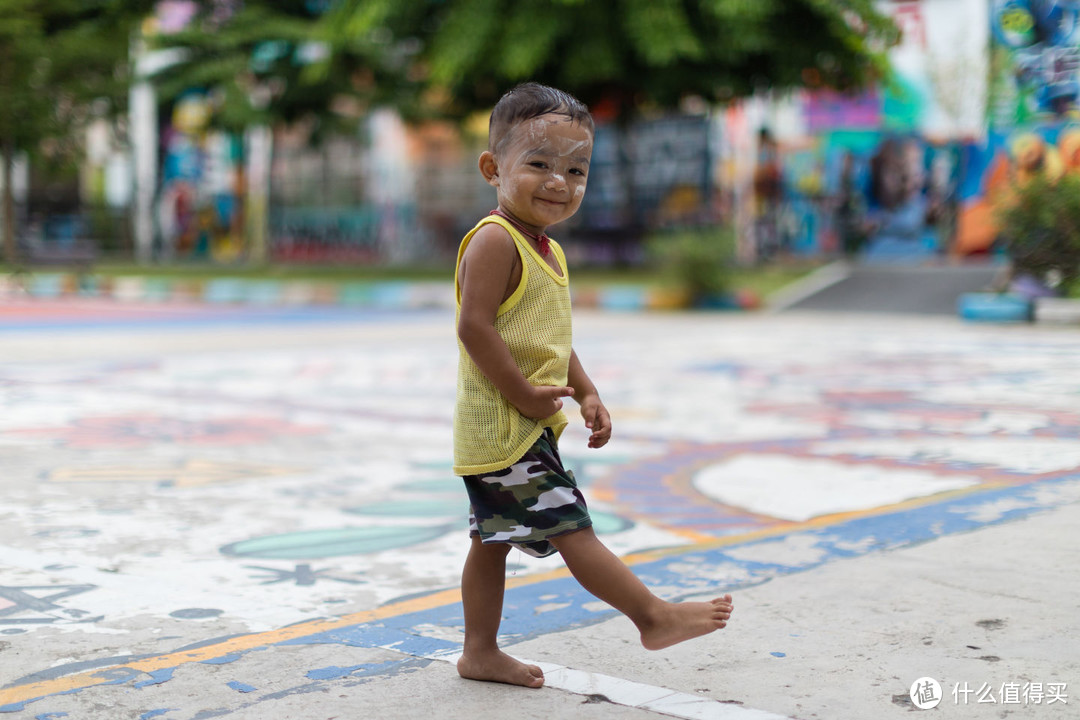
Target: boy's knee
572, 538
493, 549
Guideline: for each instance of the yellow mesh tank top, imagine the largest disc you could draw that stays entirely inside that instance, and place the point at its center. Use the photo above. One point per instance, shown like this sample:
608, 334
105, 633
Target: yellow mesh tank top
534, 322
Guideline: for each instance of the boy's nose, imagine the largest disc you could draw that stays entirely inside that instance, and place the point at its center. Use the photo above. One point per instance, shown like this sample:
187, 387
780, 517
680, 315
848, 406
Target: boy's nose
556, 182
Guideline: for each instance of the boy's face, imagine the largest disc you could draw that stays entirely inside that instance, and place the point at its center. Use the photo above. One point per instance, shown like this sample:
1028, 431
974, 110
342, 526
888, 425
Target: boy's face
541, 170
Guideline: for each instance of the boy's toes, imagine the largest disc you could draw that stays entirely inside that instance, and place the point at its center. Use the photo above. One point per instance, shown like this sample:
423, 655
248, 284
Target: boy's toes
724, 603
537, 676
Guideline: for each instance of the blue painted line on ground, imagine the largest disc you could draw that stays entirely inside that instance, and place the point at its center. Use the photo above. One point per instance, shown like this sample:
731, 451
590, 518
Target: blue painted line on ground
157, 677
697, 571
223, 660
713, 570
334, 672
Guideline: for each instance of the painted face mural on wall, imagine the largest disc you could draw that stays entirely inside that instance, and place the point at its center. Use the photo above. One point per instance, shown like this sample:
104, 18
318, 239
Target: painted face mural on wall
1044, 39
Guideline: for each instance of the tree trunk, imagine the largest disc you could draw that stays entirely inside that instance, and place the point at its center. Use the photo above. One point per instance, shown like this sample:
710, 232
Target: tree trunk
11, 250
7, 149
258, 149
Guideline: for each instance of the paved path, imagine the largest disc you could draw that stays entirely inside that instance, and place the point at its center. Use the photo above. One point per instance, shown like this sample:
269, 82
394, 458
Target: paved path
899, 288
248, 513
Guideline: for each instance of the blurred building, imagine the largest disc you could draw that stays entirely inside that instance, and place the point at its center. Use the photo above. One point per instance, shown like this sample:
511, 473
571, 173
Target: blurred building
985, 92
876, 173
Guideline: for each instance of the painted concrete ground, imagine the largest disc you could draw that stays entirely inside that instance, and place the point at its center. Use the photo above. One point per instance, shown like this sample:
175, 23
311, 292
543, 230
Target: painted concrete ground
202, 485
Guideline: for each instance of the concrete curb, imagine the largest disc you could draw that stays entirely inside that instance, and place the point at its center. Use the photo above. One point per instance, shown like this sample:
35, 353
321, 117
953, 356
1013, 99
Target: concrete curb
382, 295
1061, 311
1016, 308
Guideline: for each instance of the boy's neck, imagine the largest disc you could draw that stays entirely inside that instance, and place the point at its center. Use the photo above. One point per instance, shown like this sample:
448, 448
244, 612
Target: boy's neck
542, 241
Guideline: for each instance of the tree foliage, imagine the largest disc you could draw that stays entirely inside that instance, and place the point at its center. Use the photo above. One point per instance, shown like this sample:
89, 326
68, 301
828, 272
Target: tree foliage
255, 62
624, 54
57, 57
60, 62
283, 60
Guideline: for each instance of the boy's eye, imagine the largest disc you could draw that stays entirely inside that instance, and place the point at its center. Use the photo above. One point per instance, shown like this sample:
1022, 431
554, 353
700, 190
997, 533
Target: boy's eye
538, 164
577, 171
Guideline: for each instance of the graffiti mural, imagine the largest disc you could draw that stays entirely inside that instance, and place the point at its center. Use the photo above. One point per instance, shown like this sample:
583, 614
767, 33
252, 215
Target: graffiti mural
1036, 56
874, 174
1007, 157
199, 214
865, 191
1033, 110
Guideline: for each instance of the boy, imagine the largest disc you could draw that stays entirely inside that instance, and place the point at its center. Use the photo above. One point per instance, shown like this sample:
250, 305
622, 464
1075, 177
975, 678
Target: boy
516, 366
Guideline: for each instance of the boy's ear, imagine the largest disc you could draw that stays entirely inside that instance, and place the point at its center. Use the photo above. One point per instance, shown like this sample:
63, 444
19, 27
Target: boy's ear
489, 168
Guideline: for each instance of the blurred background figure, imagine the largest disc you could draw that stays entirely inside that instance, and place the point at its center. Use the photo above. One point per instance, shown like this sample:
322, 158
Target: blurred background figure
768, 193
851, 222
903, 215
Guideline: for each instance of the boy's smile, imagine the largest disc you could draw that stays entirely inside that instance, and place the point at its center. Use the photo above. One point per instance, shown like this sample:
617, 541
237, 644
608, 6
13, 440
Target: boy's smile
541, 171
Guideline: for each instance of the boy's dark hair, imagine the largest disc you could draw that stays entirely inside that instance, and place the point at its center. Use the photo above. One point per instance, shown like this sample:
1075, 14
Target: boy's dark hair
530, 100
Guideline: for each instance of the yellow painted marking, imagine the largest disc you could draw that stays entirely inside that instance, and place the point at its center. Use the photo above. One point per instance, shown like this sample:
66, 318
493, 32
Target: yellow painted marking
243, 643
695, 537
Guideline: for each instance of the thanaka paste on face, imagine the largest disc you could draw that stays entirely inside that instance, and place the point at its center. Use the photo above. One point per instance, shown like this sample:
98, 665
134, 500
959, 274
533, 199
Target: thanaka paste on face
542, 139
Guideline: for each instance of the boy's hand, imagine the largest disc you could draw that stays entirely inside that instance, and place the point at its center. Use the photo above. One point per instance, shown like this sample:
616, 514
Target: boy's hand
544, 401
597, 419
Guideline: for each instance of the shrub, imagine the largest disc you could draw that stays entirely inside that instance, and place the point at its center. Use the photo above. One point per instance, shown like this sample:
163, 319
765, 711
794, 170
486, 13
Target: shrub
699, 259
1040, 229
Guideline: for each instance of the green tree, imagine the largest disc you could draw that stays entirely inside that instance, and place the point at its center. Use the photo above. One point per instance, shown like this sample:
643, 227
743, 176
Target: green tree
271, 61
60, 62
254, 60
623, 54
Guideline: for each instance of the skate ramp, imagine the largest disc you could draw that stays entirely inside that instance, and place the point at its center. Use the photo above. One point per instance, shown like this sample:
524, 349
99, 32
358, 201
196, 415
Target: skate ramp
862, 288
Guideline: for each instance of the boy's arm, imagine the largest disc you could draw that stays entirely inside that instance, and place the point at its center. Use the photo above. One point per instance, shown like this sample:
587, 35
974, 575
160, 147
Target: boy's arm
596, 415
485, 272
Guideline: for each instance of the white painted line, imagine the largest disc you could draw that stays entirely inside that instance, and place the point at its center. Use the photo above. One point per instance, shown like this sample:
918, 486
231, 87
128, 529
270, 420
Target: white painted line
621, 692
639, 695
815, 282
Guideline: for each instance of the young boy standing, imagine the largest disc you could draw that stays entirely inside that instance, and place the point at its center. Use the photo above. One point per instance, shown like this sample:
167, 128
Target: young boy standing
516, 366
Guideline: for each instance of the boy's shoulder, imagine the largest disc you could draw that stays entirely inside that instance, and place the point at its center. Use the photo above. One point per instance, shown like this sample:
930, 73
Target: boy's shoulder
492, 236
490, 251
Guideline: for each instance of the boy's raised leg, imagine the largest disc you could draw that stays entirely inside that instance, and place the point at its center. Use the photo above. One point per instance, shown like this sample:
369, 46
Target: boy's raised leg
661, 623
483, 583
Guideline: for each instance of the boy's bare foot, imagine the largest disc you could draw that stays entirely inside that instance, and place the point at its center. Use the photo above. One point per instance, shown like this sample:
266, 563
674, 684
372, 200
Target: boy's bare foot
676, 622
499, 667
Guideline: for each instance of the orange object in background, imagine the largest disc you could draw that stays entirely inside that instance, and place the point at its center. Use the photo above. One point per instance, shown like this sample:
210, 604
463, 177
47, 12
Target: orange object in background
975, 226
975, 229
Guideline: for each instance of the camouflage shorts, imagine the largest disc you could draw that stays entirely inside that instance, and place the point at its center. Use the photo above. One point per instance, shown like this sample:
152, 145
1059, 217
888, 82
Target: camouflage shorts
528, 503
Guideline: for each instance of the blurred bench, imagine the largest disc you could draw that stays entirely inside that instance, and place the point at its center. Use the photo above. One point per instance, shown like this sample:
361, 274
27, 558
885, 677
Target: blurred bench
60, 239
77, 253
